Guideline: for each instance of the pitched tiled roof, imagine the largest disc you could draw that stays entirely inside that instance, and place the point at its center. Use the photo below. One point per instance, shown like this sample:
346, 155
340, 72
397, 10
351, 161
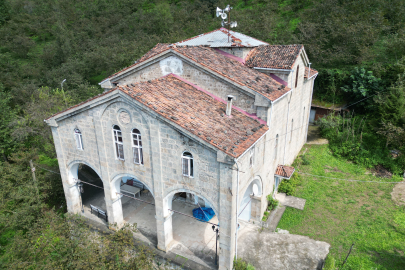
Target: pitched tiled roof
159, 48
284, 171
311, 73
219, 38
225, 66
273, 56
197, 112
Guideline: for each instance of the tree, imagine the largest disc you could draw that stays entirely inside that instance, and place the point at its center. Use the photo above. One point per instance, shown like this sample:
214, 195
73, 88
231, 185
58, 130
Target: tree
362, 84
8, 114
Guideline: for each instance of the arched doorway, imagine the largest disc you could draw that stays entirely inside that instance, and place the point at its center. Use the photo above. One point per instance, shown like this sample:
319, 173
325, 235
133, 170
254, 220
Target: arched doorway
138, 204
245, 206
192, 238
91, 193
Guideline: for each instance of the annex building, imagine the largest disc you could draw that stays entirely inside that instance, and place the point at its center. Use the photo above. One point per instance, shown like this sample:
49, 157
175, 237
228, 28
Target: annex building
203, 122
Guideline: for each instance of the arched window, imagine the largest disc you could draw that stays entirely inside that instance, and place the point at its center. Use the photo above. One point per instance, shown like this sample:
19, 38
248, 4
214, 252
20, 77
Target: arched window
187, 163
296, 76
78, 138
119, 146
137, 146
292, 128
276, 147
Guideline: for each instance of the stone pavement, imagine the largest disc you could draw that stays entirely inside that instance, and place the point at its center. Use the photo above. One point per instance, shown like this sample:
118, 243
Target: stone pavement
268, 250
291, 201
275, 217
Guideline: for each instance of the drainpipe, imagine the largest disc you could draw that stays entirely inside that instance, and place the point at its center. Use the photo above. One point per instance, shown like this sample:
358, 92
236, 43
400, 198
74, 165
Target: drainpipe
288, 113
269, 123
237, 195
310, 103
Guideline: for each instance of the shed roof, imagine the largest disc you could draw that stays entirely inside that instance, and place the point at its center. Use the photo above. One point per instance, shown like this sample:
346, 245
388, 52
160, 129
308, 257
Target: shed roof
284, 171
312, 72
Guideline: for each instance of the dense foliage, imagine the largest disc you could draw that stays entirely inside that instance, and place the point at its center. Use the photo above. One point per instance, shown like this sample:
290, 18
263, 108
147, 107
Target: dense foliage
288, 186
45, 42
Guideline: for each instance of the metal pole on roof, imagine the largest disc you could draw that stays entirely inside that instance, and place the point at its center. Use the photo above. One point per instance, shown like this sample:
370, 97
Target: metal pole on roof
229, 23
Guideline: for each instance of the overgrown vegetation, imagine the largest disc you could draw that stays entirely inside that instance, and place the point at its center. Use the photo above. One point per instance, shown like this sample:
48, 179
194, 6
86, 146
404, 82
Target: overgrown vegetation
57, 242
288, 186
240, 264
44, 42
343, 212
271, 202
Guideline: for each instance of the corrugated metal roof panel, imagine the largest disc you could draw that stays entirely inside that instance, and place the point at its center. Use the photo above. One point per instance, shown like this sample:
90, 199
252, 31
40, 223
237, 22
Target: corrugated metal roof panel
219, 38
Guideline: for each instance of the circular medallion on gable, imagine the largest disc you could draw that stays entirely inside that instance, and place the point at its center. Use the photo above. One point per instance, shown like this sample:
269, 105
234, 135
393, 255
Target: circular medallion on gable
124, 117
171, 64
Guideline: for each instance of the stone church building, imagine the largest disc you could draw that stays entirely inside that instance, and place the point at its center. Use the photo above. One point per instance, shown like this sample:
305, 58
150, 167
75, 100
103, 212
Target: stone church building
219, 116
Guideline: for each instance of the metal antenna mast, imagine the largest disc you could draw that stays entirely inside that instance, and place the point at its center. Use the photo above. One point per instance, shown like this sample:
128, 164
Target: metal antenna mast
224, 14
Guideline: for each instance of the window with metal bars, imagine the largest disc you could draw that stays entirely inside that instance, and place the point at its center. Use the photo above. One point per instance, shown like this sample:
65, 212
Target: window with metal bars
118, 143
137, 146
79, 139
187, 164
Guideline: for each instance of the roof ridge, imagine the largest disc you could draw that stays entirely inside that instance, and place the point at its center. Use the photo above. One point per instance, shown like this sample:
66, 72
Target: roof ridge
200, 35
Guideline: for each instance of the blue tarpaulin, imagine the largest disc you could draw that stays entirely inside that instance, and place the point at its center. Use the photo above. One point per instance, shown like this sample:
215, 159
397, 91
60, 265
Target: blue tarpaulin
206, 215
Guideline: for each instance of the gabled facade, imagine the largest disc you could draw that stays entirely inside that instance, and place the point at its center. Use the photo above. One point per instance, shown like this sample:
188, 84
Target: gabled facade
238, 109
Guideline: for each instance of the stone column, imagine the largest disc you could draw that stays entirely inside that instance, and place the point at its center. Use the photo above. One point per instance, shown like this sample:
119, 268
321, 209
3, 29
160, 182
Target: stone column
112, 200
69, 186
114, 209
163, 216
227, 216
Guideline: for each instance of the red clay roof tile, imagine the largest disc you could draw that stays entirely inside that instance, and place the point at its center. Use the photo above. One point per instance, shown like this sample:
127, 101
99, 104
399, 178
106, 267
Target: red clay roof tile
273, 56
284, 171
311, 73
198, 113
195, 111
225, 66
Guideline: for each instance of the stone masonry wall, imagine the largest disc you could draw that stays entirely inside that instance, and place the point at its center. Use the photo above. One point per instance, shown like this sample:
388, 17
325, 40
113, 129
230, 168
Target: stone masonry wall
239, 52
199, 78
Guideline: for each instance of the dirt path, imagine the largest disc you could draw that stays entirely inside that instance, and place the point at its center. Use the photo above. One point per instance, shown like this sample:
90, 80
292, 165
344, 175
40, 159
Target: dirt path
398, 194
314, 136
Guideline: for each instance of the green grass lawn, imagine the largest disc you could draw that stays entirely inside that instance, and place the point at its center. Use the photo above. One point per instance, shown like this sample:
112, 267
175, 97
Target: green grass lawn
341, 213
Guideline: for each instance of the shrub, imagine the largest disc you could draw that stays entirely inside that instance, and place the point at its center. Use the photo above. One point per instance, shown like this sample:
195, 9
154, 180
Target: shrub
265, 216
271, 202
305, 160
240, 264
288, 186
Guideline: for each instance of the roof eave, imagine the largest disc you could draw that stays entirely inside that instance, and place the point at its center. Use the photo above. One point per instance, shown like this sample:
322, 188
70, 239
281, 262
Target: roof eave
287, 178
274, 69
241, 155
82, 107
